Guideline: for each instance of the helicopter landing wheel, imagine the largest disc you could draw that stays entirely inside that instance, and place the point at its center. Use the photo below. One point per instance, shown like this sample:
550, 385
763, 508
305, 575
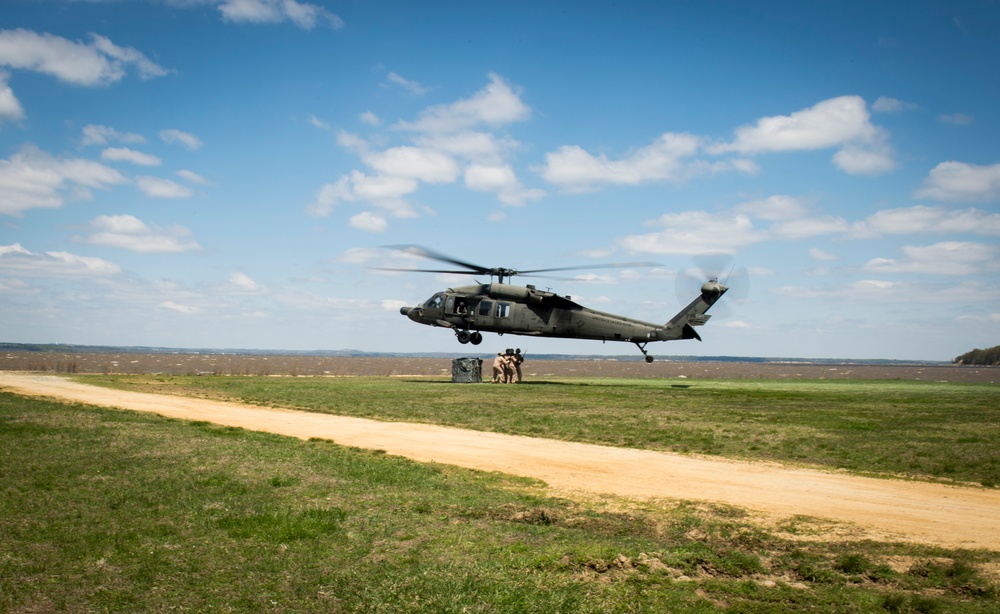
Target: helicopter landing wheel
464, 336
642, 348
476, 338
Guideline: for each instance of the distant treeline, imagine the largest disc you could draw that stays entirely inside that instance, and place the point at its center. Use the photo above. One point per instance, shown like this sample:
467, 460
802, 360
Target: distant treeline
990, 356
101, 349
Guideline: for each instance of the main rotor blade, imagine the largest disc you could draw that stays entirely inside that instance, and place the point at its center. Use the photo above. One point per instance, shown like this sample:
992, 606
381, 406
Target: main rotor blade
613, 265
501, 272
381, 268
427, 253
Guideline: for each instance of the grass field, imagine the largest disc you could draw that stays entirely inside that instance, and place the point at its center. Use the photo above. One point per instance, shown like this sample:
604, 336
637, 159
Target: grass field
106, 510
925, 430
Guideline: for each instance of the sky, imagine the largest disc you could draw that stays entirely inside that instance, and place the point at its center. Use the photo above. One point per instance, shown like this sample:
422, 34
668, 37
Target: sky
228, 173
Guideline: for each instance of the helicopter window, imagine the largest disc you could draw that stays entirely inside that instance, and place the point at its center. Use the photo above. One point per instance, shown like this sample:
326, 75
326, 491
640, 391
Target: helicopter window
503, 310
435, 302
485, 307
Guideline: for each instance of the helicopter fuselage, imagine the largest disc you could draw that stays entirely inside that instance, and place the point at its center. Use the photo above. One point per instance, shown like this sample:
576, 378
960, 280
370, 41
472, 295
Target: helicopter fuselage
525, 310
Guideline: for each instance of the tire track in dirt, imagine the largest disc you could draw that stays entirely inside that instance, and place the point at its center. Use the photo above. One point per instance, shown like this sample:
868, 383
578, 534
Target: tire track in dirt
950, 516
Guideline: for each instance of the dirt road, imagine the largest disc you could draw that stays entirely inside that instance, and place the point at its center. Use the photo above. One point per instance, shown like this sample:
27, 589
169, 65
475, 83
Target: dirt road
949, 516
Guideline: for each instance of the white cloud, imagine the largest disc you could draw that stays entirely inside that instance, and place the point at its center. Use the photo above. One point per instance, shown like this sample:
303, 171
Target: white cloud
480, 147
489, 178
10, 106
179, 308
495, 105
393, 305
318, 123
131, 233
870, 156
694, 233
186, 139
382, 191
368, 221
124, 154
162, 188
958, 181
838, 122
885, 104
803, 228
99, 62
956, 119
417, 163
911, 220
670, 158
502, 180
18, 261
444, 142
945, 258
94, 134
32, 179
777, 207
829, 123
192, 177
370, 119
304, 15
818, 254
883, 291
411, 86
241, 283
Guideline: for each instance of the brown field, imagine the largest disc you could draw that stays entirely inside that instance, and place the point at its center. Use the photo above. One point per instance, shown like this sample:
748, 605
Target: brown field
247, 364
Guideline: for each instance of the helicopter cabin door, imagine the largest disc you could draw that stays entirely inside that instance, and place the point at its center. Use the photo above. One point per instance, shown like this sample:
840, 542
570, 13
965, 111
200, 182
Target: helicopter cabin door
495, 315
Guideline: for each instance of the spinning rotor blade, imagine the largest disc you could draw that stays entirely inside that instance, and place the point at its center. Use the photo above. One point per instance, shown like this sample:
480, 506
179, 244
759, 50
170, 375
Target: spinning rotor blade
613, 265
417, 250
721, 267
499, 272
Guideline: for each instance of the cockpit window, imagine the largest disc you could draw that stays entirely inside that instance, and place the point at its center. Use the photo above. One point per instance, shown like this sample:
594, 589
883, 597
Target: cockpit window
435, 301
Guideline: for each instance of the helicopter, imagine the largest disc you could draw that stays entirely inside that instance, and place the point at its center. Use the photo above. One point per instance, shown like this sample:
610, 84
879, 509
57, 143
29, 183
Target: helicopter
504, 308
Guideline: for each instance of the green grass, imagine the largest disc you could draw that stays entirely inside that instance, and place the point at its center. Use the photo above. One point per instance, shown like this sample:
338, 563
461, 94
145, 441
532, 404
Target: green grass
107, 510
925, 430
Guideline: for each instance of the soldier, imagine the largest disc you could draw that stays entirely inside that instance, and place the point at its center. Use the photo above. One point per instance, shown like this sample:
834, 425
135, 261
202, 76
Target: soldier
498, 368
518, 358
508, 368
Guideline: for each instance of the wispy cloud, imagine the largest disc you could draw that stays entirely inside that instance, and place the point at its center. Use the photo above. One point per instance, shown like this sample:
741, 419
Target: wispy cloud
304, 15
34, 179
124, 154
956, 119
410, 86
448, 142
162, 188
130, 233
99, 62
178, 136
17, 261
960, 181
94, 134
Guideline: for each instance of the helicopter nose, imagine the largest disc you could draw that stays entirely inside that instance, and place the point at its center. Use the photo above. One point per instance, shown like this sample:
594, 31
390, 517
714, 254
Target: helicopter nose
405, 310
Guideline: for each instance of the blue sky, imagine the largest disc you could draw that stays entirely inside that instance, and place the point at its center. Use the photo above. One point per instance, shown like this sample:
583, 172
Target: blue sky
223, 173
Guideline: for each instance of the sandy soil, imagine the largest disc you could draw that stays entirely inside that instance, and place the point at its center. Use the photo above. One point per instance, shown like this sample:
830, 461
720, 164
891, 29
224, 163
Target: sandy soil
949, 516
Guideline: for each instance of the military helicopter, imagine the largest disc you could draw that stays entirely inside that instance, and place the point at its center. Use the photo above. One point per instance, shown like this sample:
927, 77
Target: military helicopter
500, 307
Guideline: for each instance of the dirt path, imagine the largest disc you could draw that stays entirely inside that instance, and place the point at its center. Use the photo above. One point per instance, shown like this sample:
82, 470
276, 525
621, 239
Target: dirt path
949, 516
